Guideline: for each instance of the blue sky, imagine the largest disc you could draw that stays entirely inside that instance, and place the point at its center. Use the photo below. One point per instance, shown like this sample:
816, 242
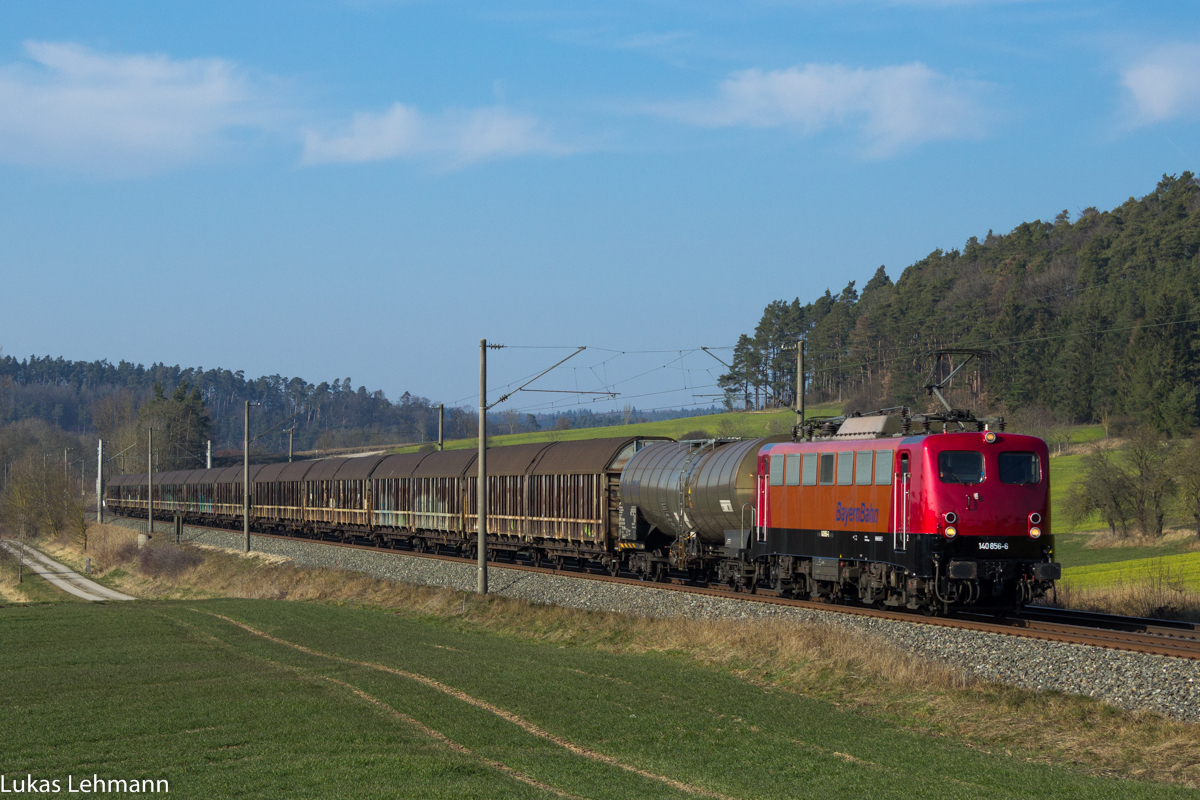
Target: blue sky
366, 189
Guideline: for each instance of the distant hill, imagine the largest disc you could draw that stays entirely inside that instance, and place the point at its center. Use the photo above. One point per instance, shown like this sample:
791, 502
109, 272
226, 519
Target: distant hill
1088, 319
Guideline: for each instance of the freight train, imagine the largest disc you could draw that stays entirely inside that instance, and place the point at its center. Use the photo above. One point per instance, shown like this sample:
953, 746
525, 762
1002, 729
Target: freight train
856, 509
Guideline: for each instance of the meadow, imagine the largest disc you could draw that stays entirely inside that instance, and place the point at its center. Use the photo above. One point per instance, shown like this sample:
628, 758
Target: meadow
252, 676
259, 698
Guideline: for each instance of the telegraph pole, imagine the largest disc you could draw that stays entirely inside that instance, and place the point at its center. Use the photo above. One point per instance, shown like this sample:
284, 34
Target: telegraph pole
441, 417
100, 481
481, 583
291, 431
149, 488
246, 479
800, 383
208, 456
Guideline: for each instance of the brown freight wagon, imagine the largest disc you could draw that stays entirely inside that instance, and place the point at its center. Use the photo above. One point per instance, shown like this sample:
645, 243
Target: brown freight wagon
555, 499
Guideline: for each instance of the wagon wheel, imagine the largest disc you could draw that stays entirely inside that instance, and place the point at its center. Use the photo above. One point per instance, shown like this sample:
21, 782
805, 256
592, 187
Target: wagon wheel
535, 556
614, 567
660, 572
558, 562
472, 552
419, 545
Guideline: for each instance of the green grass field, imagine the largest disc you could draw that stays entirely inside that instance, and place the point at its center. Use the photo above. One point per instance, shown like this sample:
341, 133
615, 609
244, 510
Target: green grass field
1181, 569
744, 424
384, 705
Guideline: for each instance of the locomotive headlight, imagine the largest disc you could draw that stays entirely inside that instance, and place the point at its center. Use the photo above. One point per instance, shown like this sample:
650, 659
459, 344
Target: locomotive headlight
1035, 532
951, 531
950, 517
990, 437
1035, 518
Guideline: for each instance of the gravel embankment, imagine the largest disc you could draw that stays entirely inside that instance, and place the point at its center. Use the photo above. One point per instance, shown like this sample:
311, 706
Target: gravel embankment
1170, 686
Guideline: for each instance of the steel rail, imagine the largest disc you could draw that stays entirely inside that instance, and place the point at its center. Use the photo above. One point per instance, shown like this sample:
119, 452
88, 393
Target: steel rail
1138, 635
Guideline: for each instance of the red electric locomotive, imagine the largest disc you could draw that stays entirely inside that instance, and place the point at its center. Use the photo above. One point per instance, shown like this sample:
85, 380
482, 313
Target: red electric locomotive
868, 512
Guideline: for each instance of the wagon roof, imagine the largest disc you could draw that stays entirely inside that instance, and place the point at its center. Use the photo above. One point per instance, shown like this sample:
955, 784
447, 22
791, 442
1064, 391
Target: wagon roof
236, 475
398, 466
228, 475
205, 475
584, 456
515, 459
446, 464
358, 468
283, 471
324, 469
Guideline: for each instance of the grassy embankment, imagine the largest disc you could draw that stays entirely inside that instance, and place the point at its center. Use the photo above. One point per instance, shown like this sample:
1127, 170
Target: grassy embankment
169, 688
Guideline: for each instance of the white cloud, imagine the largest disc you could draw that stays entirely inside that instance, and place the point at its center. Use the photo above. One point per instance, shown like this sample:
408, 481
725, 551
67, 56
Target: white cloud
1164, 85
892, 108
450, 139
121, 114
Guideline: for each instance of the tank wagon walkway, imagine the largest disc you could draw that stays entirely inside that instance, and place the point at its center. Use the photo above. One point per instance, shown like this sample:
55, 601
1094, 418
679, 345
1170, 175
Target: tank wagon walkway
62, 576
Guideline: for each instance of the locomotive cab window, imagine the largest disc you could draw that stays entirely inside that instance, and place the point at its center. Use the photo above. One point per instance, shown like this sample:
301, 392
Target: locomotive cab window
792, 473
808, 473
1020, 468
960, 466
777, 470
826, 469
863, 464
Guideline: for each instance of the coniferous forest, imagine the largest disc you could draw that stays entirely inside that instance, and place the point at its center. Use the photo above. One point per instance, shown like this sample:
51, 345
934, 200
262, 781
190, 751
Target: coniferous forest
1087, 320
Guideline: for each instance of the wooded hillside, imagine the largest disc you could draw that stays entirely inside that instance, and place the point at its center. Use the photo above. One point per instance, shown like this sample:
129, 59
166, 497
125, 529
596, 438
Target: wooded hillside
1088, 319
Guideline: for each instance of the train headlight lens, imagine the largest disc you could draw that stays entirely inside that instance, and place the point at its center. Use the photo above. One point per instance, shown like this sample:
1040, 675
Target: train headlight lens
1035, 532
951, 531
950, 517
1035, 518
990, 437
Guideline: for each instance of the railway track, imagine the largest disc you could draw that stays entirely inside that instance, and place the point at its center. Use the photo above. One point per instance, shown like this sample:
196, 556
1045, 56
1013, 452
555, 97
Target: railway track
1139, 635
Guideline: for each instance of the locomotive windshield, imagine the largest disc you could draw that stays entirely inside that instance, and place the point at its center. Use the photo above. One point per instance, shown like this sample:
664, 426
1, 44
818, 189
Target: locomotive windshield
960, 466
1019, 468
